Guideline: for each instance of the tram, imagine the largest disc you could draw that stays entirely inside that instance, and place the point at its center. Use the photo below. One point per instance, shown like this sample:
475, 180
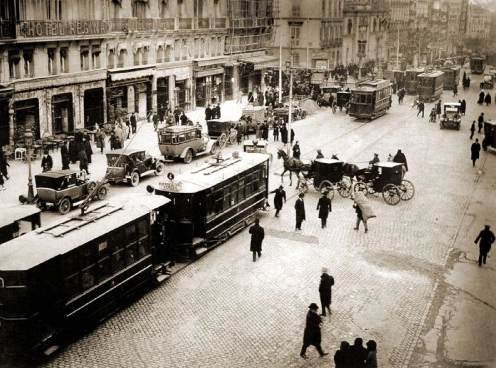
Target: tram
60, 278
16, 220
370, 99
451, 77
430, 85
214, 201
411, 79
477, 64
489, 140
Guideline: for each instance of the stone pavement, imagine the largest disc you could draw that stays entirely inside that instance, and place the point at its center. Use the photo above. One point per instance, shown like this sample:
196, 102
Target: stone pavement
411, 283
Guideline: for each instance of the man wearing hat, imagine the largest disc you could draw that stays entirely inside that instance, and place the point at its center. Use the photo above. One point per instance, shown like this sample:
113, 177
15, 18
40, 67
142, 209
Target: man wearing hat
300, 211
373, 168
486, 237
325, 291
279, 196
324, 207
319, 154
257, 236
312, 335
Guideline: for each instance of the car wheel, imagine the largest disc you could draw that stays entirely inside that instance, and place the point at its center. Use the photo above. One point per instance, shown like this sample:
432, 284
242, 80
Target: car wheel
102, 193
188, 157
135, 179
91, 186
213, 150
65, 206
160, 168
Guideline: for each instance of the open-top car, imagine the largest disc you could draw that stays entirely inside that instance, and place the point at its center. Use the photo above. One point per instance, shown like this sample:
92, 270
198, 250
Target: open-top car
451, 117
130, 165
65, 189
185, 142
487, 81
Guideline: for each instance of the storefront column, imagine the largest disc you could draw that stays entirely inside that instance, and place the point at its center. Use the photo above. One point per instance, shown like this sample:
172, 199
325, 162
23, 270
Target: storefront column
235, 81
172, 92
154, 92
11, 122
79, 111
222, 92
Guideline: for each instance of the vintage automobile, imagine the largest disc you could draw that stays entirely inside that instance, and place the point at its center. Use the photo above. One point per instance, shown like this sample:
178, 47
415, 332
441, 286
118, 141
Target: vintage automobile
487, 81
222, 130
185, 142
451, 117
344, 100
326, 92
65, 189
130, 165
296, 113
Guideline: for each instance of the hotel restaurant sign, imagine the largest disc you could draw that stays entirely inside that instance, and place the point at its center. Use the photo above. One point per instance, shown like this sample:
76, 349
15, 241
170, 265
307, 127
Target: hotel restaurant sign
39, 28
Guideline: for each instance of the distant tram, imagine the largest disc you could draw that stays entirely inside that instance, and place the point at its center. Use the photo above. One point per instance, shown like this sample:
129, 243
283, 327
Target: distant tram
370, 99
61, 277
430, 86
451, 77
477, 64
17, 219
411, 79
489, 140
213, 202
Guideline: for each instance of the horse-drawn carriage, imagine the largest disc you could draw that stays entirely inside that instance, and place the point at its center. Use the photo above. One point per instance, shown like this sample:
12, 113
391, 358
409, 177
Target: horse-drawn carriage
385, 177
223, 131
326, 174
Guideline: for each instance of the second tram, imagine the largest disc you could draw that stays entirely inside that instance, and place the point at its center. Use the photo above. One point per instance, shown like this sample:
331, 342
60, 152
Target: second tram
451, 77
411, 79
430, 86
213, 202
370, 99
477, 65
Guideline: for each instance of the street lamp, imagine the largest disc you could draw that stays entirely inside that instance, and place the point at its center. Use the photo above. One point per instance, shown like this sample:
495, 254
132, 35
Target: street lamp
28, 138
290, 113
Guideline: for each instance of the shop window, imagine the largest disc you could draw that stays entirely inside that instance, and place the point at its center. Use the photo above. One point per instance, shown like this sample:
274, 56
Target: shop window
95, 57
122, 58
14, 68
362, 47
84, 58
51, 62
64, 60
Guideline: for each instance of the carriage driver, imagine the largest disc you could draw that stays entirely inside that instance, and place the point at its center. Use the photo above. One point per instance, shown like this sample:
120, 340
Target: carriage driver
372, 168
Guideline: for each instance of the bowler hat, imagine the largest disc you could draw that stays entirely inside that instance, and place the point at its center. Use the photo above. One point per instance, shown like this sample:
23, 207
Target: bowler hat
301, 195
313, 306
324, 270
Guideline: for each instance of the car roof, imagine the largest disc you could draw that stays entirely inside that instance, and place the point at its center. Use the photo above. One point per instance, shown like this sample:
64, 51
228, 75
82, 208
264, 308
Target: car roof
124, 151
452, 104
178, 129
387, 164
57, 173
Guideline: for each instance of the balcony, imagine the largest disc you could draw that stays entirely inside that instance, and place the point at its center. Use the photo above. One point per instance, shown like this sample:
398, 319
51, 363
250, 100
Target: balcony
135, 24
7, 29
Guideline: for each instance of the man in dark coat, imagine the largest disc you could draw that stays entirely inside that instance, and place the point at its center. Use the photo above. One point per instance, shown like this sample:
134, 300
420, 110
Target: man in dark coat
475, 149
217, 111
401, 159
208, 113
472, 130
296, 150
132, 119
480, 122
46, 161
87, 148
358, 354
312, 335
487, 99
184, 119
480, 101
324, 206
300, 211
438, 108
257, 236
325, 291
486, 238
279, 196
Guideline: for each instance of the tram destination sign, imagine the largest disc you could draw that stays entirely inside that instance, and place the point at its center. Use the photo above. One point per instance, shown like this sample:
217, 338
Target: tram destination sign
171, 186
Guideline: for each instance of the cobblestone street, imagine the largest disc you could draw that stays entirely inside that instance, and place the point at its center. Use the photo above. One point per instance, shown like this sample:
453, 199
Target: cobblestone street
394, 284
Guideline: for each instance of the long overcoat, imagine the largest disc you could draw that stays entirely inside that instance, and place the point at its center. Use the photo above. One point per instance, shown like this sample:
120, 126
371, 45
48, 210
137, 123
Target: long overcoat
312, 335
475, 148
257, 236
486, 239
325, 288
300, 210
324, 206
279, 196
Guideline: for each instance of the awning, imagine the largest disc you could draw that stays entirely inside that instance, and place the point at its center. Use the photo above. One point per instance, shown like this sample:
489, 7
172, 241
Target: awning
317, 78
211, 61
207, 72
118, 76
260, 62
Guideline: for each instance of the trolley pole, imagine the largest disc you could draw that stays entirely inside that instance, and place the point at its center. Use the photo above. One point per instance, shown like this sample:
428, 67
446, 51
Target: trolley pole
290, 113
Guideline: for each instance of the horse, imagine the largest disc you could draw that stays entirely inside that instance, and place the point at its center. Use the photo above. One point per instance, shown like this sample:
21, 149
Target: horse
349, 169
291, 164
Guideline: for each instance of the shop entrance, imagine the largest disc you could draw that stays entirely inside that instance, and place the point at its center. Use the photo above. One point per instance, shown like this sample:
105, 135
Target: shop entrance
93, 107
26, 113
62, 114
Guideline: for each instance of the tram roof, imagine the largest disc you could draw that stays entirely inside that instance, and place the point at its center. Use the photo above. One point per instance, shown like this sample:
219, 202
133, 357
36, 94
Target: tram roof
37, 246
15, 212
416, 70
210, 174
436, 73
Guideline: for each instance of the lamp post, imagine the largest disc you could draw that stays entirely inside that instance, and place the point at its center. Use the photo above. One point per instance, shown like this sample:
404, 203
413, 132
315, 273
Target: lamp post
28, 136
290, 113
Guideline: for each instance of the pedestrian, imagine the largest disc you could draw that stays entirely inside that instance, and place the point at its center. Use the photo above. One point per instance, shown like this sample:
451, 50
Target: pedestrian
358, 354
208, 113
284, 134
472, 130
463, 107
83, 161
325, 291
487, 99
114, 142
292, 135
132, 119
128, 128
184, 119
362, 209
177, 114
480, 122
486, 238
312, 334
324, 206
297, 150
217, 111
342, 357
455, 90
46, 161
87, 148
279, 197
420, 108
438, 108
475, 149
64, 153
319, 154
119, 133
276, 131
480, 101
3, 165
371, 361
155, 121
401, 159
257, 236
300, 211
73, 150
239, 133
100, 139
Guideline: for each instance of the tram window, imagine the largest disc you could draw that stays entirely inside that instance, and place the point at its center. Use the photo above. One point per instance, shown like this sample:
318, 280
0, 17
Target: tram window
234, 194
143, 245
86, 255
104, 269
143, 228
88, 277
15, 279
130, 254
241, 190
226, 199
70, 265
103, 249
117, 261
71, 286
248, 186
256, 185
218, 201
130, 233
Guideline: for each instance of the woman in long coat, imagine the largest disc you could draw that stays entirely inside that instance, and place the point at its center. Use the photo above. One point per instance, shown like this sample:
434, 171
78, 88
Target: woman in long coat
64, 153
312, 335
487, 99
100, 139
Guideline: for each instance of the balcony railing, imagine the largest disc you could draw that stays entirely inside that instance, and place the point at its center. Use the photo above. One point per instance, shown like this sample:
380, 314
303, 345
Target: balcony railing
135, 24
7, 29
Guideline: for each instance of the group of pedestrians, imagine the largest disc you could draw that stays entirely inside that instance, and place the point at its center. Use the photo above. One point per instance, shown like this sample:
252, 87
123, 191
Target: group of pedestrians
484, 98
356, 355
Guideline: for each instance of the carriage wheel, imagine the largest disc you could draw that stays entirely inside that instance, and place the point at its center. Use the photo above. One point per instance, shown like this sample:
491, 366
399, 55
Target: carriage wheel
326, 185
361, 187
344, 187
391, 194
407, 190
222, 140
